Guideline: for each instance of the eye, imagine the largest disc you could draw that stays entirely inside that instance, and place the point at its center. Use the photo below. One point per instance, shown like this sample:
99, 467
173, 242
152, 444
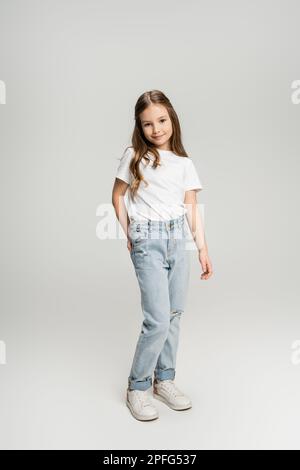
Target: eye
161, 120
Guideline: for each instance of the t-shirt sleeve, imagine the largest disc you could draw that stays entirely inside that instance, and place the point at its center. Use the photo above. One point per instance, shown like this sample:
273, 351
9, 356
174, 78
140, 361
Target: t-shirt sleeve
191, 177
123, 171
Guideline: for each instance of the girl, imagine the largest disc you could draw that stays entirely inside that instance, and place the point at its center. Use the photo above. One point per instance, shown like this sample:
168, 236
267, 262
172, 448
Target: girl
162, 182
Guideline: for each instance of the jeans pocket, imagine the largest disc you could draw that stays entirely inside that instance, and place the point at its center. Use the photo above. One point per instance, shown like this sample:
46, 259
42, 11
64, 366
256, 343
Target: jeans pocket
136, 239
136, 233
139, 249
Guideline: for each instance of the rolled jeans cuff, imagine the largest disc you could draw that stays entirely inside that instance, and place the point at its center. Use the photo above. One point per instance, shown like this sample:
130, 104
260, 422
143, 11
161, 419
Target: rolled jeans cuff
164, 374
139, 384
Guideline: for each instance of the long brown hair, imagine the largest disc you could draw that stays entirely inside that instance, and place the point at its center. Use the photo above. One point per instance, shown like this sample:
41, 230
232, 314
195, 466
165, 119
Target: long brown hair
142, 146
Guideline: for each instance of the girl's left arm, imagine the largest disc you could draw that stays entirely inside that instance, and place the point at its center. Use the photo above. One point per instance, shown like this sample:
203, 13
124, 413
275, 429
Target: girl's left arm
197, 229
194, 220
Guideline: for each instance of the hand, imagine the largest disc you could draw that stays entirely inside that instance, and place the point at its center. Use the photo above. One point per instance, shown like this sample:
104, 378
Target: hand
129, 245
205, 263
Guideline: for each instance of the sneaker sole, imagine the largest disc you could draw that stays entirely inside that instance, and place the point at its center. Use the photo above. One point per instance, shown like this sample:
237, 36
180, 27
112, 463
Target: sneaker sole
139, 417
159, 397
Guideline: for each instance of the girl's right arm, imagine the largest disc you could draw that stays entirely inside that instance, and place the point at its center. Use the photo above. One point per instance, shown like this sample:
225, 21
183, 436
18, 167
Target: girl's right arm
118, 193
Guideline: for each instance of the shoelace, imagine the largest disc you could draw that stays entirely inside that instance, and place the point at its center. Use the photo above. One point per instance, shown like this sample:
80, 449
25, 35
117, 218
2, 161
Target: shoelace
170, 387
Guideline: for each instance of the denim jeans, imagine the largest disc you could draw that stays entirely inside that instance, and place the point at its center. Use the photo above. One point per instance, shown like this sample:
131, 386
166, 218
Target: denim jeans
162, 267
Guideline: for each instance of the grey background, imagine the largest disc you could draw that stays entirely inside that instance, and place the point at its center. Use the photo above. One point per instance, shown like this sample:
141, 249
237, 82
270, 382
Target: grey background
70, 306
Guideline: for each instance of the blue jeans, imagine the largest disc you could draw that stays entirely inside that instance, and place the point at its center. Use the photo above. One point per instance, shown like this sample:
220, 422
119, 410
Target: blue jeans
162, 267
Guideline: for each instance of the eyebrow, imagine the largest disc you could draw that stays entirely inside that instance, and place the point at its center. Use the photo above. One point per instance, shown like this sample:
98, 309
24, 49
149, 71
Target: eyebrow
143, 122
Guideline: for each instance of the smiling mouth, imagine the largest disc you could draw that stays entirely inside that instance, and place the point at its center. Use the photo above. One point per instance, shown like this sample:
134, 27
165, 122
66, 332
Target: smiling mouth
158, 137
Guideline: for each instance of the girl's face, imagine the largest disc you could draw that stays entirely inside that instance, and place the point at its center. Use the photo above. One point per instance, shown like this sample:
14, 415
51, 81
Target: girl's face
157, 126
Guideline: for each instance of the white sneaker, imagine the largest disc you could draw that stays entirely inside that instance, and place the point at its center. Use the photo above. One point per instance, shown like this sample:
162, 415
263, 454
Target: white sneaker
167, 392
141, 405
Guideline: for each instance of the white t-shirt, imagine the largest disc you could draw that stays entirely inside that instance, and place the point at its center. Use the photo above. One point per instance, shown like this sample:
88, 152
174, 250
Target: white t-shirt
163, 198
